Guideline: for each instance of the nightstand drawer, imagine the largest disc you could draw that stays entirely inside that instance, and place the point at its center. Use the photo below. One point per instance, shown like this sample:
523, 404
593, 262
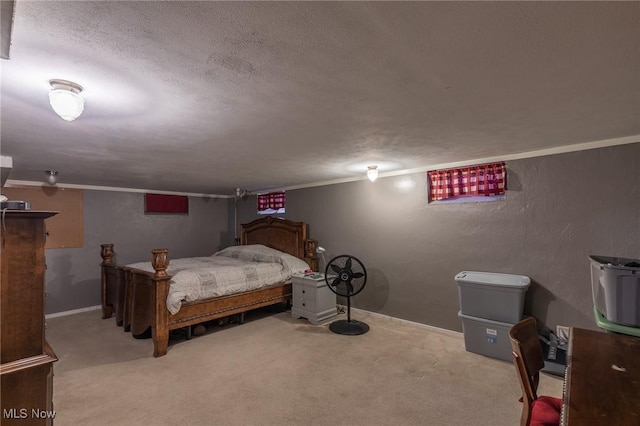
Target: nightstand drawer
312, 299
304, 299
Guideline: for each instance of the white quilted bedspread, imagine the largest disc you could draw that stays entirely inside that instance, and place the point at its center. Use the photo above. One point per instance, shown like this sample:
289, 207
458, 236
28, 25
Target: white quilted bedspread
232, 270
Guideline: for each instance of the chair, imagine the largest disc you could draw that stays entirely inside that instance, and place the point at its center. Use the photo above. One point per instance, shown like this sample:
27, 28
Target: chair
529, 360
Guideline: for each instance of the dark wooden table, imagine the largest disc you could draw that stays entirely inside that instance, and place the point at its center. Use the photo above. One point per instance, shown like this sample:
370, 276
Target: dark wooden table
602, 382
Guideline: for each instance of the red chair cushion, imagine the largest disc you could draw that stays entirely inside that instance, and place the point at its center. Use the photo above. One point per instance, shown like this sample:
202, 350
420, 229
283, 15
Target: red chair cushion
546, 411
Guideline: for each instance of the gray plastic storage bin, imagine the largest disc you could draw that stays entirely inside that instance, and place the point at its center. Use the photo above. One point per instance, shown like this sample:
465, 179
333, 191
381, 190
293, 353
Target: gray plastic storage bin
486, 337
615, 285
492, 296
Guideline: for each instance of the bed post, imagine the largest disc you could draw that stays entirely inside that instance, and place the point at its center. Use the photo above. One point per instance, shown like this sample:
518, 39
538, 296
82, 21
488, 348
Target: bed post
106, 253
128, 299
160, 329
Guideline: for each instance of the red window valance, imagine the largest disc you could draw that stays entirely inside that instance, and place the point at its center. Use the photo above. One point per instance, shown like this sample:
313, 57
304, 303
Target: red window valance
485, 179
272, 200
160, 203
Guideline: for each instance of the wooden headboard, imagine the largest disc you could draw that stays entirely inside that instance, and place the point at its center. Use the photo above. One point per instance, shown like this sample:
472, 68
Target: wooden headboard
280, 234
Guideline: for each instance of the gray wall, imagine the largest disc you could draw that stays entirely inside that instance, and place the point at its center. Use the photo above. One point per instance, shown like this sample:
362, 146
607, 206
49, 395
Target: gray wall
558, 210
73, 274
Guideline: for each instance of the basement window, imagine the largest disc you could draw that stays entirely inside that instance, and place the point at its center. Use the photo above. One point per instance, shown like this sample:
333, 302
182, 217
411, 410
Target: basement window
478, 183
271, 203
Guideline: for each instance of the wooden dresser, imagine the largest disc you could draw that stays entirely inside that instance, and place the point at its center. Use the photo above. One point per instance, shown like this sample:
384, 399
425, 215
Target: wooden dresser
26, 369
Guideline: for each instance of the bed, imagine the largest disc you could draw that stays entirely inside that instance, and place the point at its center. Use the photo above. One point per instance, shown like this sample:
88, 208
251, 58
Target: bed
139, 297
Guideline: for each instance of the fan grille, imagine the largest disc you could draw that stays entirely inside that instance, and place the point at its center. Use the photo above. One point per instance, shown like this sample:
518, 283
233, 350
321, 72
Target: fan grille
346, 275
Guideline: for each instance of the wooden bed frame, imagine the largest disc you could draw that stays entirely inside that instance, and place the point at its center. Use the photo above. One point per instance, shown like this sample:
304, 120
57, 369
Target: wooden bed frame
138, 298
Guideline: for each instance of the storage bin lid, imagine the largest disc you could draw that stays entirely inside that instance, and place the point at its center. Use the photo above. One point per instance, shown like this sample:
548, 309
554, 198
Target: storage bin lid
484, 321
493, 279
616, 262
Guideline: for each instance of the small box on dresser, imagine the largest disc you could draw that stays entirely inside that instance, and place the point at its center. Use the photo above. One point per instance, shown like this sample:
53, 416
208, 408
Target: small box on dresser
312, 298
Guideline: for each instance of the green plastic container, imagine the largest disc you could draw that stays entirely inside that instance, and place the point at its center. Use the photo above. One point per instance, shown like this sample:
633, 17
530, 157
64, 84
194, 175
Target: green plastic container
603, 323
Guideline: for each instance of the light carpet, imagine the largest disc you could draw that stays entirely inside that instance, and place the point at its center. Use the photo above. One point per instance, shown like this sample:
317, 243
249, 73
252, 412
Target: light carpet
275, 370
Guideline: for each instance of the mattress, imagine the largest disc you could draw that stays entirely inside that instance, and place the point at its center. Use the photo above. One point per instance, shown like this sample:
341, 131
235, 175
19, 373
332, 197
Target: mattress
232, 270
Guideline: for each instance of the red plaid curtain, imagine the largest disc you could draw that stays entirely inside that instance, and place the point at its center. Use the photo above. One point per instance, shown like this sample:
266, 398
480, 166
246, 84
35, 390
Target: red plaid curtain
486, 179
272, 200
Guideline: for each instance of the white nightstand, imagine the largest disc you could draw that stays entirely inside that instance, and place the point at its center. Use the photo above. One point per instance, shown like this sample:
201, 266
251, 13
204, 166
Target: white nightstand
312, 299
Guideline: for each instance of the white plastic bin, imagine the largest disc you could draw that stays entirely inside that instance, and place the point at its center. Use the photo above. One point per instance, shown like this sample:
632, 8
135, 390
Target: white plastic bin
486, 337
615, 285
492, 296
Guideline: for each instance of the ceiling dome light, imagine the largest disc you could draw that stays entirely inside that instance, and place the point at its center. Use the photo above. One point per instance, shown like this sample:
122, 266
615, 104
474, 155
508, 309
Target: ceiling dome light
65, 99
52, 177
372, 173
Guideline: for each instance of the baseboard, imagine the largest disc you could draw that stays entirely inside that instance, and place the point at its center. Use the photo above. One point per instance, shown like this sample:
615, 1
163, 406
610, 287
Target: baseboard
375, 314
413, 323
73, 311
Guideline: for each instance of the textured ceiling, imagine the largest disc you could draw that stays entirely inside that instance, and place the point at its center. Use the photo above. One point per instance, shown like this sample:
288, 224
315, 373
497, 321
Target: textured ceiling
204, 97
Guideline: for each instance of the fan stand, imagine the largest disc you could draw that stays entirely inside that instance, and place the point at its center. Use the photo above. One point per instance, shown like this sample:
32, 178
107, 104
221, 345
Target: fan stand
348, 327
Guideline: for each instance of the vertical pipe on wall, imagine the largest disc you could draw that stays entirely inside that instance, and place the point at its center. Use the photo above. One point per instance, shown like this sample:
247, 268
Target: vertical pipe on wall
236, 239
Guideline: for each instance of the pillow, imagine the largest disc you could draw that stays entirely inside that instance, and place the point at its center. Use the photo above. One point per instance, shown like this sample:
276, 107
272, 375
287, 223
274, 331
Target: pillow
262, 253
